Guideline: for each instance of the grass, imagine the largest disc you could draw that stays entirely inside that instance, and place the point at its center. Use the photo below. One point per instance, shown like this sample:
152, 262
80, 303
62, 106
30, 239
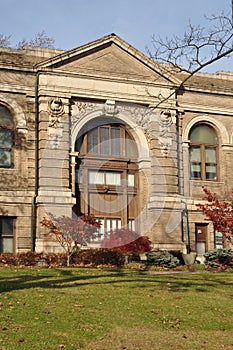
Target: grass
95, 309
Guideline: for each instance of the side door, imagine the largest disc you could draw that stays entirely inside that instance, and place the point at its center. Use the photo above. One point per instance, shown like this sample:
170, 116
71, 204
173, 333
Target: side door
201, 231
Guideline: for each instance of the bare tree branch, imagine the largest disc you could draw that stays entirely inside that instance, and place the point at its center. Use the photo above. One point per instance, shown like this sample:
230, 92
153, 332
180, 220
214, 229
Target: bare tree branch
5, 40
40, 40
198, 48
191, 50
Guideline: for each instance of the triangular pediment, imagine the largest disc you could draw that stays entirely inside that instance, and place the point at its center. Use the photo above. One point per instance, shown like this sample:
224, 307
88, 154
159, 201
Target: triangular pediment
108, 56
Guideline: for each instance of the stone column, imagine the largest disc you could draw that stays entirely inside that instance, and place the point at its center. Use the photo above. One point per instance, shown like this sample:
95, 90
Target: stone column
54, 193
186, 169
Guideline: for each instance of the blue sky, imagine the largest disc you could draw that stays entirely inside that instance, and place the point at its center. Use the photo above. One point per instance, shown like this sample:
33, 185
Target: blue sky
75, 22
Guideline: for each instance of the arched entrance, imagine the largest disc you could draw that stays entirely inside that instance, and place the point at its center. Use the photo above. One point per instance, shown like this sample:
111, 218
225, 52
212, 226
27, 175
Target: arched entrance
106, 174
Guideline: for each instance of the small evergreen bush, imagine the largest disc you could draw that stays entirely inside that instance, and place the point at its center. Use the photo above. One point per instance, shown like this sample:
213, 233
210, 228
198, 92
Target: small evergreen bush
219, 257
164, 259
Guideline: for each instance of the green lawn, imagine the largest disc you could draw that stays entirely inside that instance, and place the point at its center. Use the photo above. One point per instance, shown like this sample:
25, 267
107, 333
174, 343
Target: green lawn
105, 309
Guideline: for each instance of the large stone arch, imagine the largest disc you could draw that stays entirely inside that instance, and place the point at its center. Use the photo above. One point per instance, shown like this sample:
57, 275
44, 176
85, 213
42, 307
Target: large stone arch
17, 113
127, 117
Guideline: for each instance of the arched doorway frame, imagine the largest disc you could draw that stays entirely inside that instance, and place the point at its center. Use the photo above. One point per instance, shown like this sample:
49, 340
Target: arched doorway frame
138, 135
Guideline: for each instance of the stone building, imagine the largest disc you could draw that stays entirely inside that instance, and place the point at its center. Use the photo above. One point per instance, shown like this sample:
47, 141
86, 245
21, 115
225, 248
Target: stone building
101, 129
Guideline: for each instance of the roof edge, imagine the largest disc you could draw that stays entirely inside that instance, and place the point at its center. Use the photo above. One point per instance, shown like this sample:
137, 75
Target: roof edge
108, 39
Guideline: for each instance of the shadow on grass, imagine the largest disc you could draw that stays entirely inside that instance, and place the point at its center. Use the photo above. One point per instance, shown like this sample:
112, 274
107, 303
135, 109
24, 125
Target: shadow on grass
70, 278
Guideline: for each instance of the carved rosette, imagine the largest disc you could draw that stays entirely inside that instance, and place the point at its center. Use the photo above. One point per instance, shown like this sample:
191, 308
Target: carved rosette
55, 127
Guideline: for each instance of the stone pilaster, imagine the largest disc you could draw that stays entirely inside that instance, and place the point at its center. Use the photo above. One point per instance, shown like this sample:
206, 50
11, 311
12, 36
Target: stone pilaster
55, 193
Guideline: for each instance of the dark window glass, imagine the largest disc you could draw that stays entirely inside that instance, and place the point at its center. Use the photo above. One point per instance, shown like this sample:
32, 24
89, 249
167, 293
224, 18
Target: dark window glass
107, 140
6, 137
92, 141
115, 141
104, 141
6, 234
203, 134
195, 159
6, 119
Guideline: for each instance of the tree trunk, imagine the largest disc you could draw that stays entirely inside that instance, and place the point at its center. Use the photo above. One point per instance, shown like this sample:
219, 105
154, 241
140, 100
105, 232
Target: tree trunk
68, 260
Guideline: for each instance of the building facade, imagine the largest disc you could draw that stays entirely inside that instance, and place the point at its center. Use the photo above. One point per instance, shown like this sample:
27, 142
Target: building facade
101, 129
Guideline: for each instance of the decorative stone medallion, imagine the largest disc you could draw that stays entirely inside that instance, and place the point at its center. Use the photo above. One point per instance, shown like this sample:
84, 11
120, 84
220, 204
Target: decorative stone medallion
55, 127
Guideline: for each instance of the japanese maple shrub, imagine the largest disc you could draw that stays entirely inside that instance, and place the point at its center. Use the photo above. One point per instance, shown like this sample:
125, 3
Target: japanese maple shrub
71, 233
127, 241
220, 212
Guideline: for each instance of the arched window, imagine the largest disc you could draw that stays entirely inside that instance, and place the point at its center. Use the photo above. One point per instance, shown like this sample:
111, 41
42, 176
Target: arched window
203, 152
6, 137
106, 174
106, 140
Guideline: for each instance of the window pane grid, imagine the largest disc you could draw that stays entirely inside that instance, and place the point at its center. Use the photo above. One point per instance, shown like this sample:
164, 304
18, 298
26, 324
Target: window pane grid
101, 177
5, 148
104, 140
92, 142
108, 225
6, 234
203, 155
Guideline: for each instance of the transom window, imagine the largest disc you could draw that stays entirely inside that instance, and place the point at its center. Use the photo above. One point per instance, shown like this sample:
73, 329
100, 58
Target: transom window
100, 177
203, 152
6, 137
6, 234
106, 140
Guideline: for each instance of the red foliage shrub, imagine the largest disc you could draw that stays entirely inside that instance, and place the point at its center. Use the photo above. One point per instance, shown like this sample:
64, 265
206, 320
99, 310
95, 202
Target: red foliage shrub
71, 233
220, 212
127, 241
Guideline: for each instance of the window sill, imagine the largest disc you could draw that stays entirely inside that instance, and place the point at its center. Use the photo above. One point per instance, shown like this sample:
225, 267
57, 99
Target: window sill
206, 182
